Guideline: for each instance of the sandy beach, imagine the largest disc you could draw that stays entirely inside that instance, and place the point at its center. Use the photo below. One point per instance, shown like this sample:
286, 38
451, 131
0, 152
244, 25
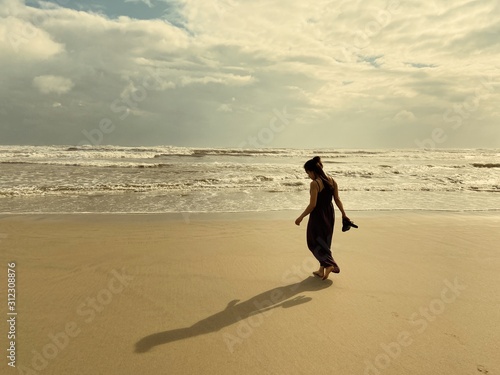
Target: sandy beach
418, 293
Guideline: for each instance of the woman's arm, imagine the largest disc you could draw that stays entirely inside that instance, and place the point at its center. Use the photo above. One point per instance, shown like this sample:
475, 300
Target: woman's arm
312, 202
337, 200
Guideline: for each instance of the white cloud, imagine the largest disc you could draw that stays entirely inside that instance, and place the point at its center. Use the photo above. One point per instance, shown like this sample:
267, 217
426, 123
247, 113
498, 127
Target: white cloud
405, 116
224, 108
223, 79
23, 40
52, 84
147, 2
345, 67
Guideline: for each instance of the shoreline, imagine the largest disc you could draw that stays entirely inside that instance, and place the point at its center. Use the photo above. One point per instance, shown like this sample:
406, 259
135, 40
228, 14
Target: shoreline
253, 216
275, 214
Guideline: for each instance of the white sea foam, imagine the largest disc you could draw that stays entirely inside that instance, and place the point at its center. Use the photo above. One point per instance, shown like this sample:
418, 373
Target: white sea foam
175, 179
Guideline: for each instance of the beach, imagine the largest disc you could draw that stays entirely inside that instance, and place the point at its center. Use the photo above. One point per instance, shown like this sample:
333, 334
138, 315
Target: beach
155, 157
224, 293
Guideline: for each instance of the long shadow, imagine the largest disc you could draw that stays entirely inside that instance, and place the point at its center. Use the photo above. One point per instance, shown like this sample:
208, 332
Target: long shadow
236, 311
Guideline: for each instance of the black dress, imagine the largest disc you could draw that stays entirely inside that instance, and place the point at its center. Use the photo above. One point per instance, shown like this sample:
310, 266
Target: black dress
320, 227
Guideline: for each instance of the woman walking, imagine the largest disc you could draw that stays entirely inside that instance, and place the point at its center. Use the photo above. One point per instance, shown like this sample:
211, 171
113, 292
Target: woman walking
321, 216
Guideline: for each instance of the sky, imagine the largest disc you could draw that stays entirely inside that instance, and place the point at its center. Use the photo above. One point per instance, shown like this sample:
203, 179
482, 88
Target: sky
259, 73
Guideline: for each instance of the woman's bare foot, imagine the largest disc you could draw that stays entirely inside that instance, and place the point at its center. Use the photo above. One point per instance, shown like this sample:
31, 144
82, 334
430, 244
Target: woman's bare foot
327, 272
319, 272
335, 269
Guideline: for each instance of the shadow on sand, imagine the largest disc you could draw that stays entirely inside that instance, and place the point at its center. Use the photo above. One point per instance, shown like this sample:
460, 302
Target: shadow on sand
236, 311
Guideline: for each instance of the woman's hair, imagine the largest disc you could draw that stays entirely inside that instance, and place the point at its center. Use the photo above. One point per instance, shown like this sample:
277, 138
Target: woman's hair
315, 165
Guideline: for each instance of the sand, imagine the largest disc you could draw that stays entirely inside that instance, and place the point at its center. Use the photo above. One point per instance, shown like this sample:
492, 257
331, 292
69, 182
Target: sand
418, 293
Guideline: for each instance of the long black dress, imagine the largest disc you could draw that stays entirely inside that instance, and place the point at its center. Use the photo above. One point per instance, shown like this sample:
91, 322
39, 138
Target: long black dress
320, 227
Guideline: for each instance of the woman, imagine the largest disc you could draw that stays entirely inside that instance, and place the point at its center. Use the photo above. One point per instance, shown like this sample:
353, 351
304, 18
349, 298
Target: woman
322, 216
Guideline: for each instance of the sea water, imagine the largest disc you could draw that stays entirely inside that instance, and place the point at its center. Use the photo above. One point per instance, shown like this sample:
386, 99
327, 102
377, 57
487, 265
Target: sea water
103, 179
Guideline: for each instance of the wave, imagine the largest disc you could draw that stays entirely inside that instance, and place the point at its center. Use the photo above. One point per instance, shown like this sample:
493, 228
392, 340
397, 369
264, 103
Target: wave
86, 190
83, 164
202, 153
216, 185
485, 165
110, 148
360, 152
116, 152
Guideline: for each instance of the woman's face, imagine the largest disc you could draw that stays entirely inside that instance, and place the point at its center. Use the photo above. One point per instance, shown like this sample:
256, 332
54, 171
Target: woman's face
311, 175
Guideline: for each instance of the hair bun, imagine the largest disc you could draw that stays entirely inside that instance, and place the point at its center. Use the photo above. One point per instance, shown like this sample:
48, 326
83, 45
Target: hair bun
317, 160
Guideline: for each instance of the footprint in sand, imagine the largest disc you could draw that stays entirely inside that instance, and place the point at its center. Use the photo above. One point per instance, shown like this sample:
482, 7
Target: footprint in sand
482, 369
456, 338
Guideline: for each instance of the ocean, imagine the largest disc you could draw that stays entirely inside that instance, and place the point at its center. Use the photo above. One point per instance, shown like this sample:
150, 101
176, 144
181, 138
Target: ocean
166, 179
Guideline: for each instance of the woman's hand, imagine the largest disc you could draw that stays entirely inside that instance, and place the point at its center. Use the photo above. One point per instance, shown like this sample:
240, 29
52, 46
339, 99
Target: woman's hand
298, 221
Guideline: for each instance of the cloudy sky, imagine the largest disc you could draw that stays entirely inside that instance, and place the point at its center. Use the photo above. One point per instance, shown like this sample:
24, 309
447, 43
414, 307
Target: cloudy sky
251, 73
